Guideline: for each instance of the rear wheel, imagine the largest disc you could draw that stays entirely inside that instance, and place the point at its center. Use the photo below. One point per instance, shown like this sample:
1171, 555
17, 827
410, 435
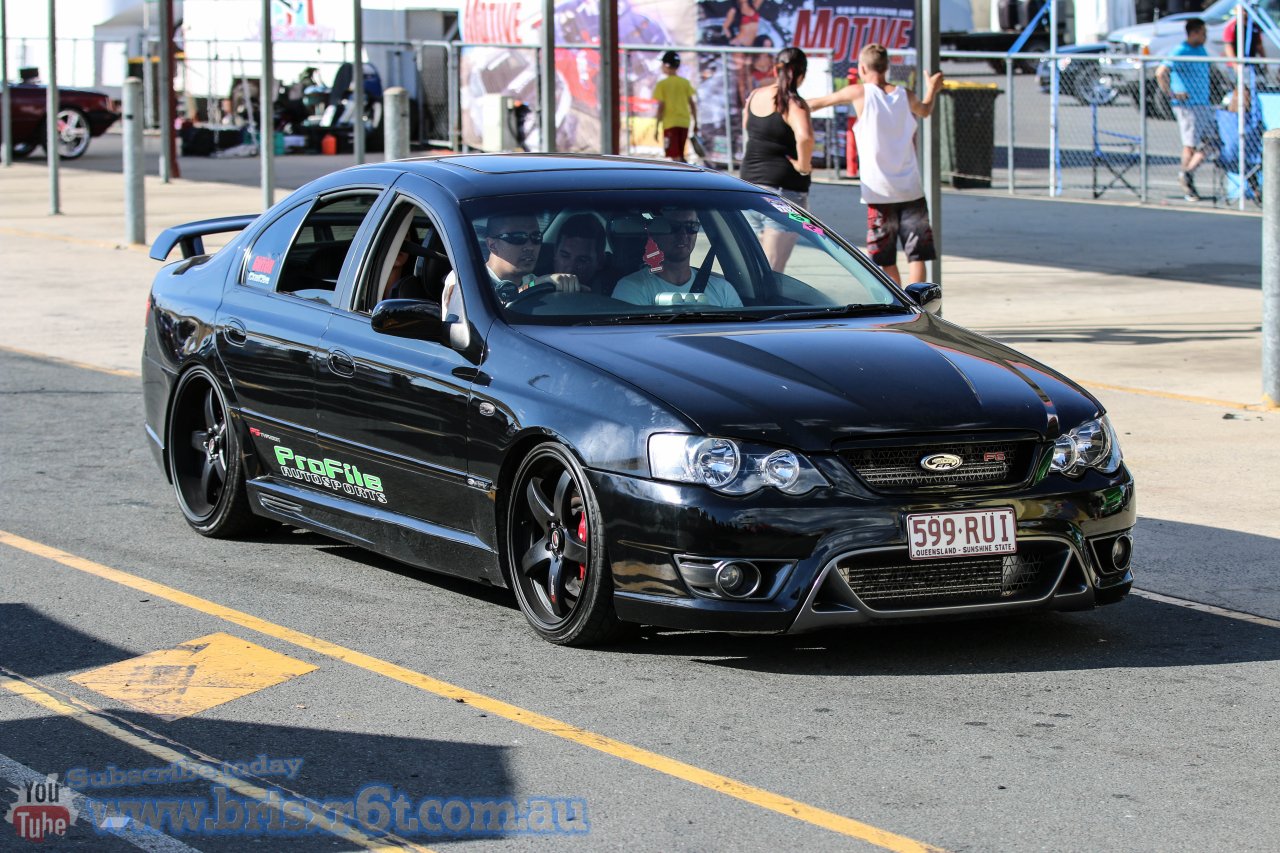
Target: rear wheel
555, 552
205, 459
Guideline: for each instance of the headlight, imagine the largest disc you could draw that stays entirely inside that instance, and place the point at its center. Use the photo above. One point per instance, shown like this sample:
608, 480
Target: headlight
730, 467
1093, 444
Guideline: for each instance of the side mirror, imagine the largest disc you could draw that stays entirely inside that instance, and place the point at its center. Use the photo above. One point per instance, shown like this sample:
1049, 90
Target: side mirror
408, 318
927, 295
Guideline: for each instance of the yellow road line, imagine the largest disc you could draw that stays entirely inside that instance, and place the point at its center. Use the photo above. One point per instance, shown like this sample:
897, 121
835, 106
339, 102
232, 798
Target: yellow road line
548, 725
69, 363
1185, 398
67, 238
1208, 608
25, 689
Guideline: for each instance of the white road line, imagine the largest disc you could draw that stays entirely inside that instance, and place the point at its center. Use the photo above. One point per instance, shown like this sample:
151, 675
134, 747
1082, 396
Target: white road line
1208, 608
142, 837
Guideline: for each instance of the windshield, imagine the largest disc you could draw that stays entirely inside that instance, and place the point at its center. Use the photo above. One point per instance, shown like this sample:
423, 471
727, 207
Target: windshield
663, 256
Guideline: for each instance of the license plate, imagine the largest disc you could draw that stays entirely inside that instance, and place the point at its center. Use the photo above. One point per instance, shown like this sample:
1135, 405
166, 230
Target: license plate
933, 535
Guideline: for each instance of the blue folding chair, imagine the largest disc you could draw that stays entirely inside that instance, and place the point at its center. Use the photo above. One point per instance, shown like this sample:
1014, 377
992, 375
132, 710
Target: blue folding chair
1269, 107
1116, 153
1227, 161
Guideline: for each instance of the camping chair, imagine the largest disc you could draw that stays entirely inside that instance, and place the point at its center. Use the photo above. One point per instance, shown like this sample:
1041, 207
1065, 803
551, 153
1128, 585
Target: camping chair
1269, 106
1227, 160
1116, 153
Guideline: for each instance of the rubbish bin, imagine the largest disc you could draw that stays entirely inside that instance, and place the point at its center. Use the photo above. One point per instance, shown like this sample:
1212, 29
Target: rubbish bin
967, 132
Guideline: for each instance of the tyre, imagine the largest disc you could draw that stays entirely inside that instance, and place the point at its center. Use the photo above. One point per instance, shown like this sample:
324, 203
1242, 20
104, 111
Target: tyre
1089, 88
205, 460
1157, 102
555, 551
23, 150
73, 133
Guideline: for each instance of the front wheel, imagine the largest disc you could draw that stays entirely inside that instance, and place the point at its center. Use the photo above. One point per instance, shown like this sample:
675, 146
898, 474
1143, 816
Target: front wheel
555, 551
73, 133
205, 459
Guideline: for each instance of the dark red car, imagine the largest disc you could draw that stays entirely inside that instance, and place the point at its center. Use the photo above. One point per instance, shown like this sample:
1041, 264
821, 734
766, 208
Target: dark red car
81, 115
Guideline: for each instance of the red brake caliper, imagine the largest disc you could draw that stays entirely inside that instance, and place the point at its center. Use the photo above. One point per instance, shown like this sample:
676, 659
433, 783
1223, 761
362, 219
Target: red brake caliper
582, 535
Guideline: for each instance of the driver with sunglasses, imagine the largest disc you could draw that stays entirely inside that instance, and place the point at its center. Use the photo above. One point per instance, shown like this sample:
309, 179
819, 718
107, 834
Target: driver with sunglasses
669, 278
514, 242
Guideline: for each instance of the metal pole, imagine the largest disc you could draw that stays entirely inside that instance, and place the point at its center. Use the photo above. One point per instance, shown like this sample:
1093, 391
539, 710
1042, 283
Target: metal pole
266, 137
608, 82
165, 90
1054, 92
928, 62
51, 105
357, 83
547, 75
135, 200
1242, 24
6, 122
455, 99
729, 122
1009, 152
1142, 123
626, 96
395, 122
1271, 268
148, 70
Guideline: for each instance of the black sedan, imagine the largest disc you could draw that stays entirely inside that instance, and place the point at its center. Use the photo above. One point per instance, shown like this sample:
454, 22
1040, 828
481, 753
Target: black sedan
634, 392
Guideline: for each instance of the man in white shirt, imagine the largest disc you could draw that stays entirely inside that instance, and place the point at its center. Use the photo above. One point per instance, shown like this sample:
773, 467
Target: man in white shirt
888, 171
675, 275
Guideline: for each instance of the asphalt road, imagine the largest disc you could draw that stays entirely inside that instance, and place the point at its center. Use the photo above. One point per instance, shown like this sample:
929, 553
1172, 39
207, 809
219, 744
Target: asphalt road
1144, 726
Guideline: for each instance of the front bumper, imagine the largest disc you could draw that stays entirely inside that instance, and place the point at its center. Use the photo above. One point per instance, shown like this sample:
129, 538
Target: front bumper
839, 555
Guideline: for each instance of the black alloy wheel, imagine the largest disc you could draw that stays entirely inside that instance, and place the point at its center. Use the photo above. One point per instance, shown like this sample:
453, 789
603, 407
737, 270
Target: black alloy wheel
554, 552
205, 459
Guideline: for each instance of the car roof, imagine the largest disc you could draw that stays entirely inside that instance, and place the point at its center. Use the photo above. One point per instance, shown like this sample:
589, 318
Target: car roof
468, 176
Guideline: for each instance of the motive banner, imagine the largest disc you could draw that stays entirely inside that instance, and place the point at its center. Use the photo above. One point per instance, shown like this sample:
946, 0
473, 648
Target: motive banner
839, 28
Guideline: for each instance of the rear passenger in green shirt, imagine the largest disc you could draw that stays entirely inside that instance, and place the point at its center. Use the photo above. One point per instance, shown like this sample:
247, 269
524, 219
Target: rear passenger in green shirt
677, 107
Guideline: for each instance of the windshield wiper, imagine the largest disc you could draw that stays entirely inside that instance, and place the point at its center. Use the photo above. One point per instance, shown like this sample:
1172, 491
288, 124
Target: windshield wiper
851, 310
670, 317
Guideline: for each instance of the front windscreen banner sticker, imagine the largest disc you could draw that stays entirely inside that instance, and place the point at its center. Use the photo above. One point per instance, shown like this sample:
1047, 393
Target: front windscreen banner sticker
331, 474
260, 269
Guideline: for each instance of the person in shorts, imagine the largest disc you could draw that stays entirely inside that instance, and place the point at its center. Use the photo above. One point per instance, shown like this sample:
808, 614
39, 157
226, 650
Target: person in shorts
677, 107
889, 173
1186, 84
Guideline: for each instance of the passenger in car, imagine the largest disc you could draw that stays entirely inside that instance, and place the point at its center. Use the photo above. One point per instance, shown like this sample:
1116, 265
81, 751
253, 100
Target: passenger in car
514, 241
675, 281
579, 250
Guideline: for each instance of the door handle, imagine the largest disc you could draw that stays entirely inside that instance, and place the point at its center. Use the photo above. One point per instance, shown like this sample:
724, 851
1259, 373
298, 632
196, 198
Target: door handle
341, 363
235, 333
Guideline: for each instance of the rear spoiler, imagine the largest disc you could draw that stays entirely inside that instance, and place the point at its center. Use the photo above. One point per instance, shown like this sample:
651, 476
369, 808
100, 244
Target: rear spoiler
190, 236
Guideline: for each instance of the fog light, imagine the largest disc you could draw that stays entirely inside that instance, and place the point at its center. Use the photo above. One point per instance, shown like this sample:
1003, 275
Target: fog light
1122, 552
737, 578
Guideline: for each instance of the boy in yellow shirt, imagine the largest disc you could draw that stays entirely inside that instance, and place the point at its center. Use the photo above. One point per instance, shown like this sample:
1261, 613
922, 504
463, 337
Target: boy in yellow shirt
677, 107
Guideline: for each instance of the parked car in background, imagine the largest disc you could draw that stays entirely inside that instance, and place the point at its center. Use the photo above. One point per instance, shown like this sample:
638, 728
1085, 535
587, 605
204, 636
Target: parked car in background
1088, 73
82, 114
1162, 37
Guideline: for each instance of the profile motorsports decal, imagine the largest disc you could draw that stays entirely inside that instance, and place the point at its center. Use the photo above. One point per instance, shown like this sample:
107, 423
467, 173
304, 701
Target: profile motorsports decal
331, 474
260, 269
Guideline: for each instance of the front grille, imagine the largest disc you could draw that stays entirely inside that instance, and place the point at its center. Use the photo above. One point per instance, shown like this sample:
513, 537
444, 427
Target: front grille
888, 580
897, 468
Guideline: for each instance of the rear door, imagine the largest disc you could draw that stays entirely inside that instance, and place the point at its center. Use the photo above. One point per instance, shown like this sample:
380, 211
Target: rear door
270, 322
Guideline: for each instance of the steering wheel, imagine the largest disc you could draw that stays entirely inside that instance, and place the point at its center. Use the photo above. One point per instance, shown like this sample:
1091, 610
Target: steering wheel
537, 290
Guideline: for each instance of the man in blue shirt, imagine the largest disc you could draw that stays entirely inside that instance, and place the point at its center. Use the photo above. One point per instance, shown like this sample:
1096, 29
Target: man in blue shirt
1187, 86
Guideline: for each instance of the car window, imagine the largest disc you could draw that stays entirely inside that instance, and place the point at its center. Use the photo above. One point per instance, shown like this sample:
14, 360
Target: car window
320, 246
265, 260
410, 260
667, 256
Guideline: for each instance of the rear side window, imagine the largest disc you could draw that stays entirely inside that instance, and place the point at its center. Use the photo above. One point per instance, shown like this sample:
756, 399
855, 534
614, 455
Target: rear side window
318, 239
266, 258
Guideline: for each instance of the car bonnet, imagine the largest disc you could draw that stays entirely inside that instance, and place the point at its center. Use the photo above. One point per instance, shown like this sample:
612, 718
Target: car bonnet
812, 385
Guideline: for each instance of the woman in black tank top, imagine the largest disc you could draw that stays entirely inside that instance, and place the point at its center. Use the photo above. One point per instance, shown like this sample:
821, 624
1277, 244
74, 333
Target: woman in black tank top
780, 149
